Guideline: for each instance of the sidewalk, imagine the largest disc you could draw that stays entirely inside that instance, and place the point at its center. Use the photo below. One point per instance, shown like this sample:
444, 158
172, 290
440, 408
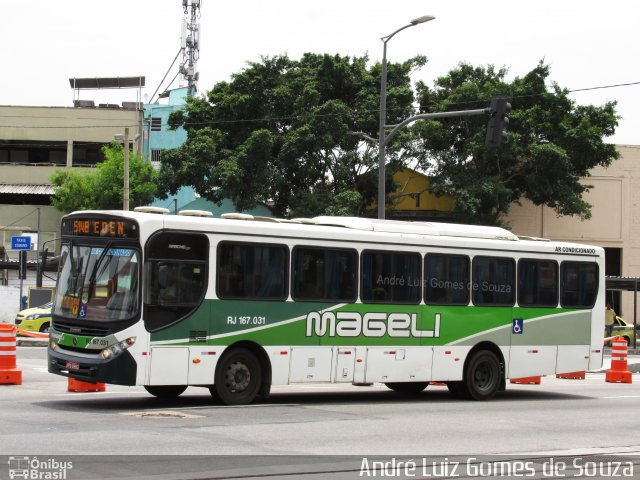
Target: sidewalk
31, 342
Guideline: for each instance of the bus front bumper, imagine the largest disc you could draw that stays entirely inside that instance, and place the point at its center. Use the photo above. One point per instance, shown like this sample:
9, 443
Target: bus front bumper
120, 370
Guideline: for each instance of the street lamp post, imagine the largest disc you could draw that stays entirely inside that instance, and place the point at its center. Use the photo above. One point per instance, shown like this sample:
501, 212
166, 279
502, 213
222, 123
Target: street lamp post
125, 194
382, 146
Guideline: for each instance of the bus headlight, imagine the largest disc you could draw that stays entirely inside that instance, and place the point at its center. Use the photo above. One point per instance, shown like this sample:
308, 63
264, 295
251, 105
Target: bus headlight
53, 345
117, 348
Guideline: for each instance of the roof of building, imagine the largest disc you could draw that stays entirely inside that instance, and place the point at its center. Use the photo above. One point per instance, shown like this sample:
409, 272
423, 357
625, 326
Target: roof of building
106, 82
27, 189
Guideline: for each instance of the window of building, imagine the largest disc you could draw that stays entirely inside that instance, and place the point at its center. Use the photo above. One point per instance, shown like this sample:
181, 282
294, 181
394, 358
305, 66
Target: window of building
324, 274
391, 277
87, 154
493, 281
33, 152
155, 158
537, 283
578, 284
252, 271
156, 124
446, 279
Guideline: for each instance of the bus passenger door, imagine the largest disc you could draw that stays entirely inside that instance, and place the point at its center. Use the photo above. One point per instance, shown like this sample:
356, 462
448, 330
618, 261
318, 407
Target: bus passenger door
531, 354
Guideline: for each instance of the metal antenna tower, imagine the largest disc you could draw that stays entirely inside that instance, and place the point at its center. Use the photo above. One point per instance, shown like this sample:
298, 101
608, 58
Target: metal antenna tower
190, 43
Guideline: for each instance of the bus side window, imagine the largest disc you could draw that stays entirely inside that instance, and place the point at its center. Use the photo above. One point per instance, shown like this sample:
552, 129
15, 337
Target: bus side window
446, 279
391, 277
579, 284
493, 281
537, 283
252, 271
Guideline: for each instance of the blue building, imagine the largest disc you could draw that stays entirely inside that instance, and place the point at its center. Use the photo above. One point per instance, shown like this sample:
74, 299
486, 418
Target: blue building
158, 137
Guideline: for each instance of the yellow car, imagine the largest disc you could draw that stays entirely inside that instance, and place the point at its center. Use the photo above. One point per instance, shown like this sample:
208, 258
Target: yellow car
624, 329
37, 319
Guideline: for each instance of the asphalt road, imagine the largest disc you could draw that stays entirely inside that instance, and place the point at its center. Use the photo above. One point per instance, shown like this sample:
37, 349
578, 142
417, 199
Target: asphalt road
558, 417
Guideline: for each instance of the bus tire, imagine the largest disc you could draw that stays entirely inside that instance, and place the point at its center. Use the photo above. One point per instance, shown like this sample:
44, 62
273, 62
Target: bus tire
458, 390
238, 378
407, 387
482, 376
165, 391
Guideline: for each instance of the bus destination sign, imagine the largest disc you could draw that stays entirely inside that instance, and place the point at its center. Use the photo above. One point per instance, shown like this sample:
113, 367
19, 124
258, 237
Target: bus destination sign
100, 227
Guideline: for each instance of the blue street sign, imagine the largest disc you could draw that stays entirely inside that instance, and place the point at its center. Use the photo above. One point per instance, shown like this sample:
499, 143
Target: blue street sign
518, 326
21, 243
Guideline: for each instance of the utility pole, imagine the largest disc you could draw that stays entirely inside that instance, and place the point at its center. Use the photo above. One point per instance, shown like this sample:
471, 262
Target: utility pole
125, 201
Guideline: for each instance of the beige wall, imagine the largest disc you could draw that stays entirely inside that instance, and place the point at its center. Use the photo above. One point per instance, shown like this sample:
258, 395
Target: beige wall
66, 123
32, 174
615, 220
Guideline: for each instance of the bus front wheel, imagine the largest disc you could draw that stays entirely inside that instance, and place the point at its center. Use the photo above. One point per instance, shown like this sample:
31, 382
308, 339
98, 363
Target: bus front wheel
237, 378
165, 391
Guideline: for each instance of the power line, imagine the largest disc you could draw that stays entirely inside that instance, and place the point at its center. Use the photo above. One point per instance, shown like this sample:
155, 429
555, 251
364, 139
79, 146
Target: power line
303, 117
604, 86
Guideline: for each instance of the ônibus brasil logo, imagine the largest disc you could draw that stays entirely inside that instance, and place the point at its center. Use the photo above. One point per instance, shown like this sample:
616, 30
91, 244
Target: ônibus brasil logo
38, 469
372, 324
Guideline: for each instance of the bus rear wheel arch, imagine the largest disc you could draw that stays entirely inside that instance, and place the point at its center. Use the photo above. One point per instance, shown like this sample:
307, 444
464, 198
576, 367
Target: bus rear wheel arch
483, 376
165, 391
238, 377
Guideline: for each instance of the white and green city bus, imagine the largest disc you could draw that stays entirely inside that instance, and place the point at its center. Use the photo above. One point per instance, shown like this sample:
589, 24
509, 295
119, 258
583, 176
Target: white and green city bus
240, 303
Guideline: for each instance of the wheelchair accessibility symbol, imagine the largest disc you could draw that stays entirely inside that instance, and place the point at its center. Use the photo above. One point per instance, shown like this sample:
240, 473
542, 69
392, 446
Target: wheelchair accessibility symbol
518, 326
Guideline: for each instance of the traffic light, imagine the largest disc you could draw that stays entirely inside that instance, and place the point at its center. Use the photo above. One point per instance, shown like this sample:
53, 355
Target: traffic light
498, 121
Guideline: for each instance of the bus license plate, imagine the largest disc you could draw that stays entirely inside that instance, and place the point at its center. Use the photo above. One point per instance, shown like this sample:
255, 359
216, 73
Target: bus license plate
72, 366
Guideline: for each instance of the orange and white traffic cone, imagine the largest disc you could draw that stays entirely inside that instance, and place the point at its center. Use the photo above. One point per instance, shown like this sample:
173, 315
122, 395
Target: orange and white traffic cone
619, 371
9, 374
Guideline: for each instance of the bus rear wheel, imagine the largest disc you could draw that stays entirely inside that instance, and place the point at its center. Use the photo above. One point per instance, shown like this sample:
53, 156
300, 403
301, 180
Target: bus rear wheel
237, 379
458, 390
165, 391
407, 387
482, 376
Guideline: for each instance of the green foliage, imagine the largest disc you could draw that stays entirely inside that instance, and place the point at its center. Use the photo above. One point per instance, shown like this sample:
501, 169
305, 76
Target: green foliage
283, 131
74, 191
103, 188
552, 144
300, 135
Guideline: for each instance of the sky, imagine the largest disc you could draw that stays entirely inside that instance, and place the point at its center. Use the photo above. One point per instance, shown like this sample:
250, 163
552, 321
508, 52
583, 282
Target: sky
588, 44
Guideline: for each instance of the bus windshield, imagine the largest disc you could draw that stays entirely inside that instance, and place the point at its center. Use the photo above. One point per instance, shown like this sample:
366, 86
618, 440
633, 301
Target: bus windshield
98, 283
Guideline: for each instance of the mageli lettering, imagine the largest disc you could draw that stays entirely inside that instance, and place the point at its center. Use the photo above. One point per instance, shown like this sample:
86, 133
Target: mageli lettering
371, 324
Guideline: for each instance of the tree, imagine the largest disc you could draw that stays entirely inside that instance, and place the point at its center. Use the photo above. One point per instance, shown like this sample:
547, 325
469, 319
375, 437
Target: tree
292, 133
102, 189
552, 144
295, 133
